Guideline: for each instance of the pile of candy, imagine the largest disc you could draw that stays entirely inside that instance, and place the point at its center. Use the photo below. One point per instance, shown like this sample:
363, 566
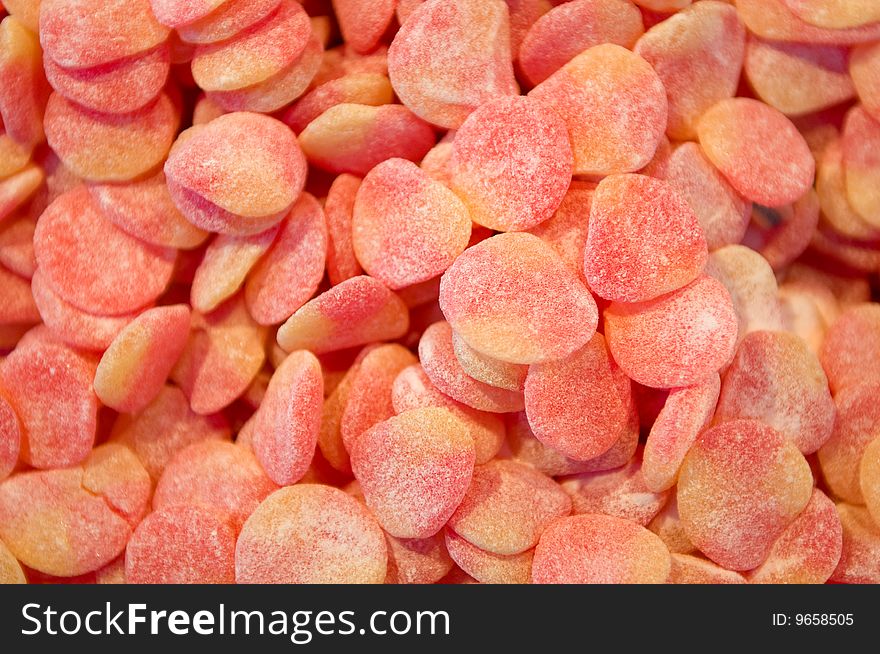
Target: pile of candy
403, 291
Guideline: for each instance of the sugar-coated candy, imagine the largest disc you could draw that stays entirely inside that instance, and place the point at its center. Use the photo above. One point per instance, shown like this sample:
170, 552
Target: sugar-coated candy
572, 27
861, 138
371, 89
747, 141
414, 468
363, 22
167, 426
24, 88
238, 174
698, 54
49, 386
288, 275
221, 475
676, 339
342, 263
739, 488
446, 373
643, 241
775, 378
511, 297
864, 68
861, 547
851, 351
488, 567
580, 405
688, 569
71, 238
441, 84
10, 437
134, 367
621, 492
685, 413
511, 163
856, 425
311, 533
869, 478
358, 311
221, 22
181, 544
507, 507
406, 227
599, 549
355, 138
501, 374
808, 551
10, 569
586, 92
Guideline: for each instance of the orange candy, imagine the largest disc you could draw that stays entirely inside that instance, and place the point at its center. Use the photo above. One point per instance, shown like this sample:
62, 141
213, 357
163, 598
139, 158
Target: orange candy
586, 92
599, 549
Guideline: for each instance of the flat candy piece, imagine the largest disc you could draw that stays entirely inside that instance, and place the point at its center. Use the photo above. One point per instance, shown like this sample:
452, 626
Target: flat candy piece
579, 405
224, 353
118, 87
134, 368
164, 428
507, 507
721, 211
406, 227
570, 28
256, 54
113, 472
311, 534
144, 209
10, 437
417, 560
667, 525
363, 22
18, 307
864, 69
288, 275
24, 84
869, 478
698, 55
776, 379
790, 239
73, 326
622, 493
749, 279
10, 568
808, 551
740, 486
567, 229
243, 163
227, 20
71, 243
861, 163
861, 547
677, 339
51, 523
587, 92
105, 147
358, 311
512, 298
414, 469
772, 19
687, 569
412, 389
442, 84
342, 263
758, 150
835, 14
88, 33
16, 189
287, 423
354, 138
227, 261
445, 372
50, 388
644, 240
857, 424
511, 163
798, 78
369, 399
217, 474
359, 88
488, 567
599, 549
501, 374
686, 412
850, 353
838, 212
181, 544
174, 13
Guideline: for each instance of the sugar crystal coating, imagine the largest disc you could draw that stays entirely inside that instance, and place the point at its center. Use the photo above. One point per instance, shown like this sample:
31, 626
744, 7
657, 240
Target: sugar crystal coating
740, 486
311, 533
488, 567
599, 549
861, 545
